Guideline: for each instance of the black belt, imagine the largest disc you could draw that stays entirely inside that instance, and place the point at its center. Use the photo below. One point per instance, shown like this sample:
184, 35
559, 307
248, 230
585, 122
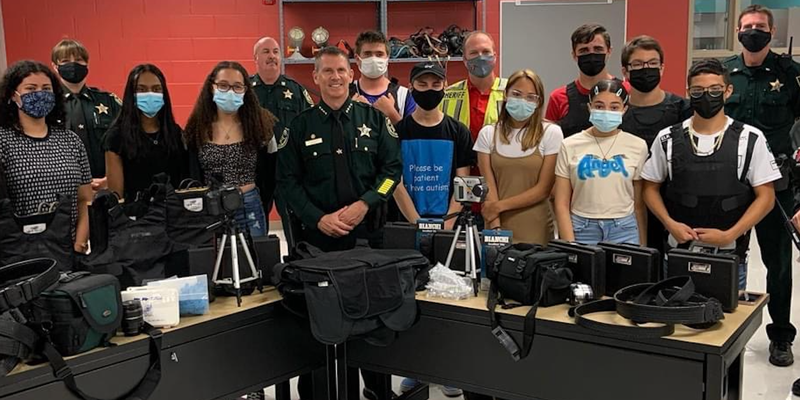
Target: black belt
25, 280
669, 302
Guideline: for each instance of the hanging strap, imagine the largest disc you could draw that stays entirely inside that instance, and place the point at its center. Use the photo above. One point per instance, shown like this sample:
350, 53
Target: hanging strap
142, 391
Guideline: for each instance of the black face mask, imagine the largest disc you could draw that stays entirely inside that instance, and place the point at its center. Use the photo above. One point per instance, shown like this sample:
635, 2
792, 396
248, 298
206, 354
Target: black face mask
592, 64
645, 79
427, 99
73, 72
706, 106
754, 40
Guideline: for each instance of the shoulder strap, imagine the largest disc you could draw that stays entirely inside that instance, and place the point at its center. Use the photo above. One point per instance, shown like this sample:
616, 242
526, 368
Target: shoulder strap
142, 391
393, 88
402, 96
748, 157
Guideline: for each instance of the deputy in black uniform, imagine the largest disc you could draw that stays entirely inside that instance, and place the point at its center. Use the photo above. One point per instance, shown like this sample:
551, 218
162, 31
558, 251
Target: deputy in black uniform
767, 95
281, 95
338, 162
89, 111
650, 108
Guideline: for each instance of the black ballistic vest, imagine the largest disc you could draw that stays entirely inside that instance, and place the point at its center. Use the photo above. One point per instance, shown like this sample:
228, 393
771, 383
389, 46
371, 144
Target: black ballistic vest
577, 118
47, 235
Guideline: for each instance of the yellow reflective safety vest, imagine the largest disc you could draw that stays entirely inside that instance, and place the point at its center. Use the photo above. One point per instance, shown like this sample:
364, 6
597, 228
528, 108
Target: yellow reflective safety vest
456, 101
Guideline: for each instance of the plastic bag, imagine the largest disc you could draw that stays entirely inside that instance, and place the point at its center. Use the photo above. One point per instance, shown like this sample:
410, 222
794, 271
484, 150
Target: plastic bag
447, 284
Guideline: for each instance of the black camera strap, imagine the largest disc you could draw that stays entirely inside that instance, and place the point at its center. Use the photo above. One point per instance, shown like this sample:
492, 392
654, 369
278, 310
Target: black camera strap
529, 327
142, 391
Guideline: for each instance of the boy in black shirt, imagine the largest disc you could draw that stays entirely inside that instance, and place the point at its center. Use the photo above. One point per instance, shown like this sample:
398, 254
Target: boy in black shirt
435, 147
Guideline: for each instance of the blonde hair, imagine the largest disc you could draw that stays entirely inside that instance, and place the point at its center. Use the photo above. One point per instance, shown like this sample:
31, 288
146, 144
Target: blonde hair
532, 129
67, 48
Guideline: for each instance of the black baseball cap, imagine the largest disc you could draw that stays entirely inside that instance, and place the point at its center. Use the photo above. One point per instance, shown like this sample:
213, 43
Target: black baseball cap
427, 67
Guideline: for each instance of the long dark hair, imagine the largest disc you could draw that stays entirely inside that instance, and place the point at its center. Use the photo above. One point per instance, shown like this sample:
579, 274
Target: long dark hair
257, 123
16, 73
129, 121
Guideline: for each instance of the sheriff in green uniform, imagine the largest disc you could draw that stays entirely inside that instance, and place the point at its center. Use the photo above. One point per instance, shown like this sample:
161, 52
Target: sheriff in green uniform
766, 94
89, 111
338, 162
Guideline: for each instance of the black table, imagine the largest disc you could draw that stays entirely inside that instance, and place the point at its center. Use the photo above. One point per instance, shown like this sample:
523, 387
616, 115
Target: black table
228, 352
452, 345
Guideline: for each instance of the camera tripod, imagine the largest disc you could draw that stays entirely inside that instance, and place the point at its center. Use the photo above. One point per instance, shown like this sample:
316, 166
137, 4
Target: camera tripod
232, 231
465, 221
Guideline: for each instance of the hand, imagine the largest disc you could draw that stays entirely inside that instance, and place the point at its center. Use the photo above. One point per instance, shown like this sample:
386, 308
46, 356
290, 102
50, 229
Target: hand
331, 225
450, 223
491, 210
385, 104
714, 236
81, 248
359, 98
682, 232
354, 213
99, 183
796, 220
494, 224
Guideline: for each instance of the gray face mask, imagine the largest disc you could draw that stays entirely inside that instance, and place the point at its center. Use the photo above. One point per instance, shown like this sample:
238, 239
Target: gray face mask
481, 66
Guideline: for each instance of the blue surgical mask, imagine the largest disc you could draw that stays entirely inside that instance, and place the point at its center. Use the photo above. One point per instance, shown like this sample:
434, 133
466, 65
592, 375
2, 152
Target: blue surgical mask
520, 109
605, 120
150, 103
481, 66
229, 101
37, 104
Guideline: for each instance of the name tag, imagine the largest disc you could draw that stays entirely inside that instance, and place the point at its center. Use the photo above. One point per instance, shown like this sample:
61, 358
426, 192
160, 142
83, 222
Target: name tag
193, 205
34, 229
313, 142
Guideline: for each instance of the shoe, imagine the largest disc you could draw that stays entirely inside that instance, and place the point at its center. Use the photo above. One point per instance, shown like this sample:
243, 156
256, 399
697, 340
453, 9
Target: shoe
451, 391
369, 394
408, 384
255, 395
780, 354
796, 388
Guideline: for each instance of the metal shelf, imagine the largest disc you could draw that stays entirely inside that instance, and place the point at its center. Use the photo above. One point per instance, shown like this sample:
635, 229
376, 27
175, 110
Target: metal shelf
422, 59
335, 1
289, 61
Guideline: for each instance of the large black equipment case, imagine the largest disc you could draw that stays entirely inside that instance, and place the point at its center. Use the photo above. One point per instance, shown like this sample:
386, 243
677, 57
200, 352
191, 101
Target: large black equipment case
714, 275
400, 235
441, 246
629, 264
587, 262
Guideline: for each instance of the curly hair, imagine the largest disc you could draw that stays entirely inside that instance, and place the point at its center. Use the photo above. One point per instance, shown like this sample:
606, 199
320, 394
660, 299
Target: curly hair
257, 122
15, 74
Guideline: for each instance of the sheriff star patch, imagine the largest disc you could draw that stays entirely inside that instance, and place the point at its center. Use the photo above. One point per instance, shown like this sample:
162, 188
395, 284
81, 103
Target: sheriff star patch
390, 128
284, 138
386, 186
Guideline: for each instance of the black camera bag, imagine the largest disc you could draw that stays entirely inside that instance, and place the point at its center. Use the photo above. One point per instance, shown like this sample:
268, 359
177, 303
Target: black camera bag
362, 292
530, 276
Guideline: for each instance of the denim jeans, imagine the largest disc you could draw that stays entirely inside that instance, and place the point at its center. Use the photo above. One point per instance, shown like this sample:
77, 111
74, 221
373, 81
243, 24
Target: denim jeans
615, 230
251, 216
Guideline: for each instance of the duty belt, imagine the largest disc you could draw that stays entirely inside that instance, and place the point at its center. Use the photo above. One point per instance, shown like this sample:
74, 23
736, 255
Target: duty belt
25, 280
669, 302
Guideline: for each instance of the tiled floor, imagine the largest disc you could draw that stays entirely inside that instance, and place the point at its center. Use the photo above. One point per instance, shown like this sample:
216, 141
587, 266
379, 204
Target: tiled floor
761, 379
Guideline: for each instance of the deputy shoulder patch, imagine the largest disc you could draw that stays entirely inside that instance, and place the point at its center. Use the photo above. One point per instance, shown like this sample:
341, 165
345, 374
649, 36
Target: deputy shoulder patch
390, 129
308, 97
797, 78
117, 99
284, 138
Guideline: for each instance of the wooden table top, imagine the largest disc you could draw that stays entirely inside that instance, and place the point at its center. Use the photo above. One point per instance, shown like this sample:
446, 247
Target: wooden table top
716, 336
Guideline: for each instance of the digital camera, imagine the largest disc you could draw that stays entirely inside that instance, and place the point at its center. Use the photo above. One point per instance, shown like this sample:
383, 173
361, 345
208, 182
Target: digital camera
470, 189
224, 200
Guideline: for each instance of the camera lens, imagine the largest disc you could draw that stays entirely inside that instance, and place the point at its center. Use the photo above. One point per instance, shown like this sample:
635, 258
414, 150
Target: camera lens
477, 190
132, 317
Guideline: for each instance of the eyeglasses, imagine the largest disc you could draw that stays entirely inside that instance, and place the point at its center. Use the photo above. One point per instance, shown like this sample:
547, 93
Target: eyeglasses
647, 64
532, 97
713, 91
224, 87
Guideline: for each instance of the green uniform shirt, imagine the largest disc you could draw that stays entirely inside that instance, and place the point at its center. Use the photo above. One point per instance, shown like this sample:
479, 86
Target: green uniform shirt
306, 174
766, 97
90, 114
284, 99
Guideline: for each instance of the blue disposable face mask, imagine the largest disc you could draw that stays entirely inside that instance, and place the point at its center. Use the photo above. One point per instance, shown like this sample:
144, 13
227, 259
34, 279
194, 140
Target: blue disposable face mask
605, 120
229, 101
150, 103
520, 109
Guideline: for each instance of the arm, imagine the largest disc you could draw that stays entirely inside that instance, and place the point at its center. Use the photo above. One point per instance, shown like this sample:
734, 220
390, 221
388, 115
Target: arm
389, 166
485, 165
641, 211
385, 104
115, 173
562, 191
82, 224
405, 204
762, 205
652, 197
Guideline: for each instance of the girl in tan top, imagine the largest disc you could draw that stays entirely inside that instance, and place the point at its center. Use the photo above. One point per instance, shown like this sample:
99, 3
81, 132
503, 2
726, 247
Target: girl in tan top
518, 157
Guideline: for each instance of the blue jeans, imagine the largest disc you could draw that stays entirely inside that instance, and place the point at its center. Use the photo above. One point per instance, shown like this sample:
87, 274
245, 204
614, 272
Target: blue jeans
251, 216
615, 230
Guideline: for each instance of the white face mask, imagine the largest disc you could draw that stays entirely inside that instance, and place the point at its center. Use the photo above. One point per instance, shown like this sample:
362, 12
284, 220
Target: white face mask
374, 67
